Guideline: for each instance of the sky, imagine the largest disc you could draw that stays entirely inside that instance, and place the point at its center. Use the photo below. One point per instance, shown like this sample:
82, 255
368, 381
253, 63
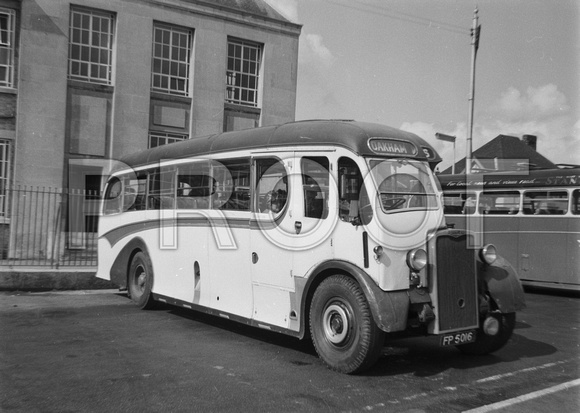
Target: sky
407, 64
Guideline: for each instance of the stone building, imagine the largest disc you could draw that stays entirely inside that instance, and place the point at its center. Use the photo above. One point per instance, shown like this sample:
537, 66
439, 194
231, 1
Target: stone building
86, 81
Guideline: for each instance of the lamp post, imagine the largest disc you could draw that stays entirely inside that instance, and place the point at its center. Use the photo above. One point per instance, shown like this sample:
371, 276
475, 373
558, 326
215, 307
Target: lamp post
475, 31
448, 138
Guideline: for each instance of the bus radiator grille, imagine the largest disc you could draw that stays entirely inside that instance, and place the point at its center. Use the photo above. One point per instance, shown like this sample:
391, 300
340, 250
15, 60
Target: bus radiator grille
456, 284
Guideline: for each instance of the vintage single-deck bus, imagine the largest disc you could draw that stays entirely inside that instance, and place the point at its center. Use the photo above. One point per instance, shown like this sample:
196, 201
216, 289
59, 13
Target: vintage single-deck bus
532, 217
332, 229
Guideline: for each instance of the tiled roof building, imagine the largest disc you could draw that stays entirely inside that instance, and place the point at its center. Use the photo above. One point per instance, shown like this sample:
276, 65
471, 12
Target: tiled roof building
505, 153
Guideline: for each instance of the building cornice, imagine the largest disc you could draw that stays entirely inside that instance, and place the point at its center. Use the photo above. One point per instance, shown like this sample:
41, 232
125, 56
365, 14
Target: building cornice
230, 14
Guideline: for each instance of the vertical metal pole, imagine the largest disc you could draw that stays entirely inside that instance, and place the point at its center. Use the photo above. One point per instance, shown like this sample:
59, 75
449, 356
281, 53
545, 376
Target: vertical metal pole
474, 45
453, 166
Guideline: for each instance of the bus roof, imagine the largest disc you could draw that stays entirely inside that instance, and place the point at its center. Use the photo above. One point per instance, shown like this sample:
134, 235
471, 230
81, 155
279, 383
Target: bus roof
512, 180
365, 139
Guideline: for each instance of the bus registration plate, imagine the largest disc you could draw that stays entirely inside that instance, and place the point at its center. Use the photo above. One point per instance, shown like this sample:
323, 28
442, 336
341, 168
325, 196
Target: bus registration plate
455, 339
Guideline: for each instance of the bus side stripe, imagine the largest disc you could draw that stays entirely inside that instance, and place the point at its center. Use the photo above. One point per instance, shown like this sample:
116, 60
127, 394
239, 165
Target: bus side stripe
121, 232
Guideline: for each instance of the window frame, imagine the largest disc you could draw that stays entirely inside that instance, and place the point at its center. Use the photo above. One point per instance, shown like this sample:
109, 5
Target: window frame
5, 162
168, 62
168, 137
315, 177
269, 196
90, 51
498, 202
7, 47
243, 72
545, 202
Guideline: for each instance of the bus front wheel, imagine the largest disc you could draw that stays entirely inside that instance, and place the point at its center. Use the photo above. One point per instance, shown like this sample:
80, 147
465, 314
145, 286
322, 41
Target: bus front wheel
485, 343
342, 327
140, 282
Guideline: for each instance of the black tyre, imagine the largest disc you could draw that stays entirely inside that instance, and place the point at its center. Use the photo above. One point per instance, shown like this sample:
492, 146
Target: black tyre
140, 281
342, 328
484, 343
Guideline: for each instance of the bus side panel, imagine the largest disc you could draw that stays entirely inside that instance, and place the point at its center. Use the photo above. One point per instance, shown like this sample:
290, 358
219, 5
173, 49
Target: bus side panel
229, 263
541, 247
573, 253
175, 262
502, 231
115, 233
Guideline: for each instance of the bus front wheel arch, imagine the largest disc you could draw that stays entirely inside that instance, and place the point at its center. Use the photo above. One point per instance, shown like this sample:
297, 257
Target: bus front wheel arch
140, 281
342, 327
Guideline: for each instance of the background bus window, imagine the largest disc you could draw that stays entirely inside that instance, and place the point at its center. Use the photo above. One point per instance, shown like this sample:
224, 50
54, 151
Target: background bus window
576, 202
545, 202
455, 204
232, 180
161, 194
194, 186
271, 185
499, 203
315, 177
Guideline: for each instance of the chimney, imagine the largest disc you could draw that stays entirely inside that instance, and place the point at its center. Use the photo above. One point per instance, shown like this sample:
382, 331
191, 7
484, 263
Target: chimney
530, 140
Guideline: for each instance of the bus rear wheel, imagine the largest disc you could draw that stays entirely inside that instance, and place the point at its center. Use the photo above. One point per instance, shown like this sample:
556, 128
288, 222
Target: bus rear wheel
342, 327
140, 281
502, 324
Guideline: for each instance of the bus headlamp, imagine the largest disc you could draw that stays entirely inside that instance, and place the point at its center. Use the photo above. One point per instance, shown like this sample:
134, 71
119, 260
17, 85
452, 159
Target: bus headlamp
417, 259
488, 254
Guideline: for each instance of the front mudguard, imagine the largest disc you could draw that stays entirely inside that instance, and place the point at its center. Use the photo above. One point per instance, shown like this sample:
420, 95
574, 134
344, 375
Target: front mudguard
503, 285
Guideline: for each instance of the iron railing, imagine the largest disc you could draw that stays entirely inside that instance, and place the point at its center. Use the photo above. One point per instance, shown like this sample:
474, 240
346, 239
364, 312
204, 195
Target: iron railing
49, 227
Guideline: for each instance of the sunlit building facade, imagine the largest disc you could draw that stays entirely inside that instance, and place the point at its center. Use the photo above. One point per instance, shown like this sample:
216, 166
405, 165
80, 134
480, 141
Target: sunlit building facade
90, 80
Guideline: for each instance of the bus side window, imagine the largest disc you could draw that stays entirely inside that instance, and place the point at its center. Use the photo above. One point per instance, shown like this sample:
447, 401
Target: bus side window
315, 179
500, 203
545, 202
453, 203
469, 205
271, 191
194, 186
134, 193
232, 182
576, 202
161, 193
354, 202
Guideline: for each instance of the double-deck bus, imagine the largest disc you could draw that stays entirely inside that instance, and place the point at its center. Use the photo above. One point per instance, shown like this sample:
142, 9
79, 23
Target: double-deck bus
533, 217
332, 230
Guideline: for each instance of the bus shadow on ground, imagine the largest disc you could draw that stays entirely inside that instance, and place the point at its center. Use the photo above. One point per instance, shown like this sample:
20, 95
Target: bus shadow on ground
265, 336
420, 356
423, 357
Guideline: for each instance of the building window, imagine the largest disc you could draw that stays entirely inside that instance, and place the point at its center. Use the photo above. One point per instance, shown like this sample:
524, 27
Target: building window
243, 72
171, 55
4, 171
91, 46
161, 138
7, 18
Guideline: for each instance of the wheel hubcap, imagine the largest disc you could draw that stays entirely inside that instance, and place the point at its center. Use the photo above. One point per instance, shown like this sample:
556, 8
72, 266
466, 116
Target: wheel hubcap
336, 323
140, 278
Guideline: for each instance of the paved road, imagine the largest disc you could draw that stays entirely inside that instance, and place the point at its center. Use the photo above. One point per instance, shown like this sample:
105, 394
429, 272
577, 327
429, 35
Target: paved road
94, 351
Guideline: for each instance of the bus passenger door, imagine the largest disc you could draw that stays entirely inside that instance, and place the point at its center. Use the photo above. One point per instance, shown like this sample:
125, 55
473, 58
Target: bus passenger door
229, 217
271, 234
291, 232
